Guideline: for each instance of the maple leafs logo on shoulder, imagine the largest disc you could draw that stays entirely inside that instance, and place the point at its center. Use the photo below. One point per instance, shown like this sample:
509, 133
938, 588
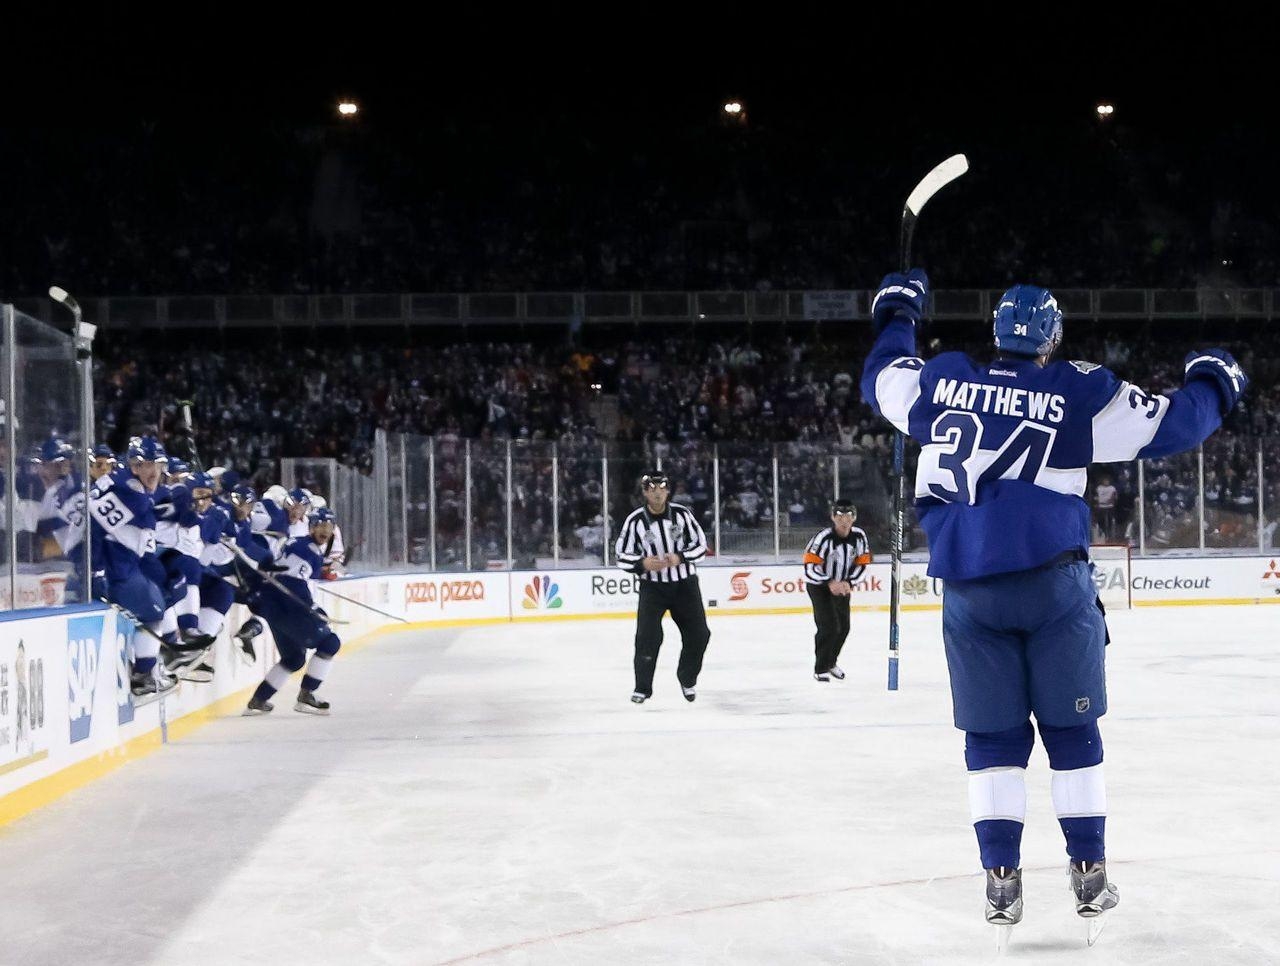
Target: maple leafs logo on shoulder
1084, 368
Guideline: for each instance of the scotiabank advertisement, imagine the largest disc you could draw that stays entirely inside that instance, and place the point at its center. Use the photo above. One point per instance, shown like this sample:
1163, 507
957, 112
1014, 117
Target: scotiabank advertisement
783, 587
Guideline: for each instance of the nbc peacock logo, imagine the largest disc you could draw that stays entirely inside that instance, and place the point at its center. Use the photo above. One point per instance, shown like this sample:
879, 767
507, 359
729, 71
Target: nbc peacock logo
541, 594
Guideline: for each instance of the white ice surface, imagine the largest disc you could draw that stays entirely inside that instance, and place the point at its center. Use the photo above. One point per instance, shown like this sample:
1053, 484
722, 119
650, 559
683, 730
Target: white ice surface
491, 796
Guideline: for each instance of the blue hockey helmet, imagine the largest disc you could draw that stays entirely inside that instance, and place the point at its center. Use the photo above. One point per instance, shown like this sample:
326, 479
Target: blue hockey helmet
1028, 321
201, 481
146, 449
177, 466
103, 452
297, 497
244, 494
322, 515
54, 450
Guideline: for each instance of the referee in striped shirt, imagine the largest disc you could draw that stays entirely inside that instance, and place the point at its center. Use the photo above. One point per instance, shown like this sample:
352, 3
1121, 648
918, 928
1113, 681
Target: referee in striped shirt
662, 542
833, 562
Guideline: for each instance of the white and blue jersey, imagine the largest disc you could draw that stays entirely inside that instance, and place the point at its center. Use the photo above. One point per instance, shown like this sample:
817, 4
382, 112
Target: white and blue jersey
123, 508
1005, 446
302, 560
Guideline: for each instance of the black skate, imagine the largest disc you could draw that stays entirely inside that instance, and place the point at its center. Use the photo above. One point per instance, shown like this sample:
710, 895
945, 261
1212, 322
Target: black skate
177, 657
639, 697
193, 639
146, 687
836, 673
257, 706
690, 694
1094, 895
248, 631
309, 704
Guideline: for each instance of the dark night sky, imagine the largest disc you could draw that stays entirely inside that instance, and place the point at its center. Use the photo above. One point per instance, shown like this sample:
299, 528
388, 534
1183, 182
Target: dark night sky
641, 70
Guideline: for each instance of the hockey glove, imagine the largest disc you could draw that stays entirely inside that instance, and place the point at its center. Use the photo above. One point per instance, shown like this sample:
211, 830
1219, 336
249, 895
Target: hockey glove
271, 567
901, 298
1219, 367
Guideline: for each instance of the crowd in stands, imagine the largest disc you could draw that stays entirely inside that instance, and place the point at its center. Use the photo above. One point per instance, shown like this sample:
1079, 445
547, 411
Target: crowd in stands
549, 207
652, 398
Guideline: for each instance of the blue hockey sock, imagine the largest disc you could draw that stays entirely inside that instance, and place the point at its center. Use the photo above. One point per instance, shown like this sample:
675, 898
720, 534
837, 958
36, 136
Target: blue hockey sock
309, 683
144, 665
1086, 837
999, 843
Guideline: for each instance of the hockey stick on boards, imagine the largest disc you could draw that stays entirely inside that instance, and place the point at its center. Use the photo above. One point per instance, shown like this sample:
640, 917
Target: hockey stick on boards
269, 578
929, 185
352, 600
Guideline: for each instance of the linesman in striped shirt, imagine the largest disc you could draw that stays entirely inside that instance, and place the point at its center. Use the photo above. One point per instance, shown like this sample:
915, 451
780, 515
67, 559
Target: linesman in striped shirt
662, 542
833, 562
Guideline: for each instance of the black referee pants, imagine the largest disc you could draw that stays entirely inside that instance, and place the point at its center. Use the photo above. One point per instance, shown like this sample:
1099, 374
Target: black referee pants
831, 614
684, 599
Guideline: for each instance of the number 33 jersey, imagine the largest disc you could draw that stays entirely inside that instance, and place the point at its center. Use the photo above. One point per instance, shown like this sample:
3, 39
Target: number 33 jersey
1005, 446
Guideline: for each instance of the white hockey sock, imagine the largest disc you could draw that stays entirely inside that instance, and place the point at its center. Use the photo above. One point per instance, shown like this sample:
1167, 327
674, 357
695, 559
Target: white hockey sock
278, 676
190, 604
210, 621
998, 793
319, 666
144, 645
169, 622
1080, 792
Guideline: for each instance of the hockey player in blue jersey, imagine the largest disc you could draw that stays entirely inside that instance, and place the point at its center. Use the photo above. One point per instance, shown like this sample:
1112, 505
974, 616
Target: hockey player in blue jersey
179, 546
120, 504
298, 626
999, 492
239, 504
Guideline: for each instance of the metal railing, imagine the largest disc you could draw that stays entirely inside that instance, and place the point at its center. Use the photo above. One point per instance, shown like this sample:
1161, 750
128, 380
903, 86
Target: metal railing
464, 504
532, 308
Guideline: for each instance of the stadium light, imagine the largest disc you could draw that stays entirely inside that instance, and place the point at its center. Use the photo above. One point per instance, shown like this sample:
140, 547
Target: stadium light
348, 108
733, 107
1105, 111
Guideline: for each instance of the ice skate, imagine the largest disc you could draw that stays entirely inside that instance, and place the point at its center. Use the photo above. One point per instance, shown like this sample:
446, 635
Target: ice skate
1004, 902
1094, 895
257, 706
822, 676
836, 673
202, 673
146, 687
690, 694
179, 656
308, 703
639, 697
248, 631
194, 640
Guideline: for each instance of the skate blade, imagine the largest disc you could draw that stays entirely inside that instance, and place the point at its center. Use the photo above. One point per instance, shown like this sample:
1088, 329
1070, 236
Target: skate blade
254, 712
196, 677
1095, 926
142, 700
1004, 934
307, 709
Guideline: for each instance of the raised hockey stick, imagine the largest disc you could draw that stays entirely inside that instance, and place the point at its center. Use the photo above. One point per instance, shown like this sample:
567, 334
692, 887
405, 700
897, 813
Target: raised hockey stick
929, 185
352, 600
